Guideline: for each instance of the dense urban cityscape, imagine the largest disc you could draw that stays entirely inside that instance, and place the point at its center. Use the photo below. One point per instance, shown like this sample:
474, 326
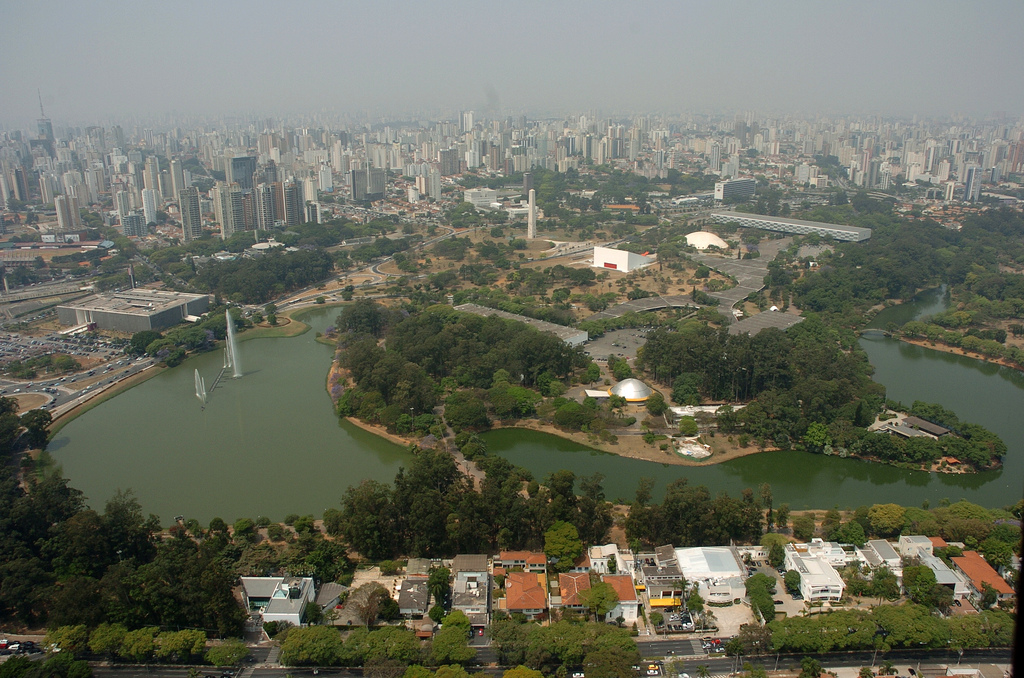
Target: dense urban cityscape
545, 388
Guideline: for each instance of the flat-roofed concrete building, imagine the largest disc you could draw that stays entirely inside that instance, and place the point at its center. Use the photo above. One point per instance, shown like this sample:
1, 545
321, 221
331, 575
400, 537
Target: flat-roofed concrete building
133, 310
797, 226
818, 579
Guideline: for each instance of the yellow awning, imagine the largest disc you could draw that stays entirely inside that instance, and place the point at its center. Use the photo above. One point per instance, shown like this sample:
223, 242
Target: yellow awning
665, 602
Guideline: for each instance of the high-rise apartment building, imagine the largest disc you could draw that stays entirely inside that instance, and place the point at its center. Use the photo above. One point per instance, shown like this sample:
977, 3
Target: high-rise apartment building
68, 216
149, 203
151, 174
177, 177
972, 183
191, 216
240, 171
134, 224
228, 209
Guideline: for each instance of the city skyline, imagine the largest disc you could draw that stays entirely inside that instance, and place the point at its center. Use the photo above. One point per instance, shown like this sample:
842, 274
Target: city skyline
119, 61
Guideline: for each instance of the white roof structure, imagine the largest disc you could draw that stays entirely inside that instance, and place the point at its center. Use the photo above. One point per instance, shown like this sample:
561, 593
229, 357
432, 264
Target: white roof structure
708, 562
633, 390
703, 240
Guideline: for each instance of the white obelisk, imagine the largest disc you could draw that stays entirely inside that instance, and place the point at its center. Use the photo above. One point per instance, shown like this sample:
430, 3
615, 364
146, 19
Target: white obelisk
531, 227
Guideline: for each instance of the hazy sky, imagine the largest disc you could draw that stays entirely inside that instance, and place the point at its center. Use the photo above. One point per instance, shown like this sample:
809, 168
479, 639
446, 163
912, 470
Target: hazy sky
109, 60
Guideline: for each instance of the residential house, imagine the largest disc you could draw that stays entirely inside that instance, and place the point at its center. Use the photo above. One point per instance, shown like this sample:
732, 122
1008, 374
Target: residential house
471, 588
526, 593
581, 564
629, 605
280, 599
819, 581
527, 561
329, 595
878, 553
913, 545
831, 551
414, 597
603, 557
978, 574
571, 585
944, 576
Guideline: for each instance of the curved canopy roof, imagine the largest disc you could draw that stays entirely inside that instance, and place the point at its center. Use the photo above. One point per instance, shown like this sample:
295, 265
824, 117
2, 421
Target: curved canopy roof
703, 240
632, 390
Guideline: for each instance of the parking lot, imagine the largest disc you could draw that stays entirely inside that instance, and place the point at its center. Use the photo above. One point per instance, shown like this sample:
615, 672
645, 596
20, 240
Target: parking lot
622, 343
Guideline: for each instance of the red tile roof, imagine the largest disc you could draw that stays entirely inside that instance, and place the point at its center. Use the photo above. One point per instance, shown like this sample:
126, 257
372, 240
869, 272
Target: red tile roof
524, 592
980, 572
623, 585
938, 542
571, 584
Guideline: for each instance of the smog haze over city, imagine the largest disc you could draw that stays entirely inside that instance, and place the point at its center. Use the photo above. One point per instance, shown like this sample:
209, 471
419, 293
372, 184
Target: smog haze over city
99, 62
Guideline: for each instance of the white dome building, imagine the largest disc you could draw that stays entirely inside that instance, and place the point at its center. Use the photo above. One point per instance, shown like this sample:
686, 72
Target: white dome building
633, 390
702, 240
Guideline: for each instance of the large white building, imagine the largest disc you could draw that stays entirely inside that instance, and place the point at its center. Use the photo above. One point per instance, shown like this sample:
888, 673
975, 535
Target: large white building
481, 198
735, 189
818, 579
620, 260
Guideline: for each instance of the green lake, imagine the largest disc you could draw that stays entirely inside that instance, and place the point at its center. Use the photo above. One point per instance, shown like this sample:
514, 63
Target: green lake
269, 443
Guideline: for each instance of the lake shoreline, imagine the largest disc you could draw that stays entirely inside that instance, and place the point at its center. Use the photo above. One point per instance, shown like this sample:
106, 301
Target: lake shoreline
956, 350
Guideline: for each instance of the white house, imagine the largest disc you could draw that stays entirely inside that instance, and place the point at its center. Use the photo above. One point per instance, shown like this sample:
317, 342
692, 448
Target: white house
278, 598
913, 545
818, 579
628, 603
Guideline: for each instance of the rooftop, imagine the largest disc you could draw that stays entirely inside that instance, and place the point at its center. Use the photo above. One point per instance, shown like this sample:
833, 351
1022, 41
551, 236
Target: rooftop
136, 302
525, 591
708, 562
561, 331
623, 585
762, 321
469, 563
980, 572
570, 585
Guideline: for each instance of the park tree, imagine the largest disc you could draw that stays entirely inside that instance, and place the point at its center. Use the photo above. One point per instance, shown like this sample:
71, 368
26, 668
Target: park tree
439, 583
600, 599
792, 581
311, 646
656, 404
803, 527
138, 645
450, 646
562, 544
776, 555
228, 652
71, 639
886, 519
782, 516
106, 639
37, 423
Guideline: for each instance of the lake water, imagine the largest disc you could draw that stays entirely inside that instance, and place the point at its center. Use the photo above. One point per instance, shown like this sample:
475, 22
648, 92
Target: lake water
978, 392
266, 444
270, 444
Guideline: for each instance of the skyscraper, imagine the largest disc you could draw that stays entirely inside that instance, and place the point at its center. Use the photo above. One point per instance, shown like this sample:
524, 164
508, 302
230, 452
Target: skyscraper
191, 216
228, 209
122, 201
148, 206
151, 176
240, 171
294, 212
177, 177
133, 224
68, 216
972, 183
